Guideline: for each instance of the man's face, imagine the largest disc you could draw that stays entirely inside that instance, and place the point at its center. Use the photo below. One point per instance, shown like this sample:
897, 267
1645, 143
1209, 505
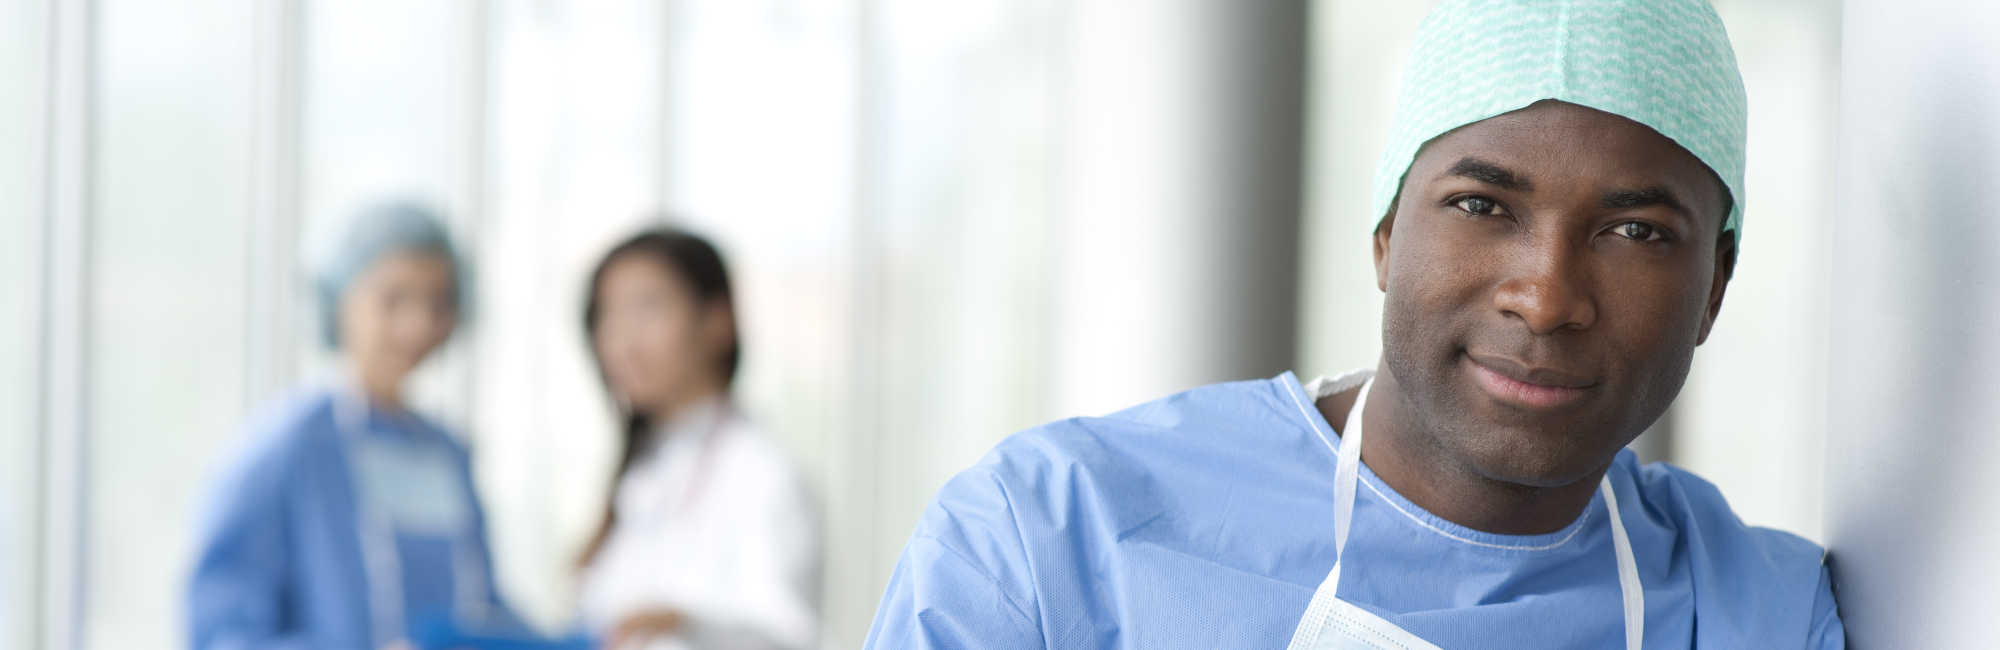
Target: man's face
1548, 274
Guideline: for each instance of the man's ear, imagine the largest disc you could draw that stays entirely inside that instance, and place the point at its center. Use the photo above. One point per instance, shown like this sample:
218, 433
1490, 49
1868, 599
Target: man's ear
1725, 266
1382, 232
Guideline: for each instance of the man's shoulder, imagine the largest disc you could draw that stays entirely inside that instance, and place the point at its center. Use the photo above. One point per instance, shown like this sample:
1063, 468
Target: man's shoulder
1697, 509
1769, 581
1230, 413
1112, 465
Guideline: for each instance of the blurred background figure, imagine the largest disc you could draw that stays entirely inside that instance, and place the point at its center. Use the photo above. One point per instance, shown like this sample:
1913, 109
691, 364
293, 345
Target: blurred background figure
348, 520
710, 539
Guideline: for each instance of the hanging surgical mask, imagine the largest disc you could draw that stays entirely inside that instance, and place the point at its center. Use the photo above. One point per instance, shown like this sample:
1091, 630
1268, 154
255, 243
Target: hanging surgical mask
415, 487
406, 488
1331, 623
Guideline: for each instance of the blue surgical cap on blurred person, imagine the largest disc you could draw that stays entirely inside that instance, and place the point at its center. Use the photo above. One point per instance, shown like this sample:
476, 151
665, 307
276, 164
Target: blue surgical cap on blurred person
376, 232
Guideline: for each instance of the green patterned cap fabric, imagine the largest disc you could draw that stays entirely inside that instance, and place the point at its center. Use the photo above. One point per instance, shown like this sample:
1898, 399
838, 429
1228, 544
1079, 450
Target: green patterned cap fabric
1666, 64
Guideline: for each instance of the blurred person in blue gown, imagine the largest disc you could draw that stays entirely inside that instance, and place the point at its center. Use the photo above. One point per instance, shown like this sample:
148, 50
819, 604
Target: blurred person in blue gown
346, 520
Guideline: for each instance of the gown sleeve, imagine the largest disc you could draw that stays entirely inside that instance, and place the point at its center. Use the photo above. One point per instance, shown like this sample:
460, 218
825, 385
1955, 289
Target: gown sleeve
962, 580
238, 592
1828, 633
937, 598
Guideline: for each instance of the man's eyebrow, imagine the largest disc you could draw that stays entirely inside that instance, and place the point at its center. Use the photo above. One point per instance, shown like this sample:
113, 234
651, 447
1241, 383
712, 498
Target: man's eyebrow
1490, 174
1622, 199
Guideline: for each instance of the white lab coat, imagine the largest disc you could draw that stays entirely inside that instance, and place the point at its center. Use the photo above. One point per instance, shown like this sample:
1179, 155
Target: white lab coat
714, 521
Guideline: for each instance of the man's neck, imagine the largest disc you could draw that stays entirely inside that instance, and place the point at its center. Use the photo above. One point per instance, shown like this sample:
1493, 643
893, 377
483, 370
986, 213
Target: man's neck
1412, 464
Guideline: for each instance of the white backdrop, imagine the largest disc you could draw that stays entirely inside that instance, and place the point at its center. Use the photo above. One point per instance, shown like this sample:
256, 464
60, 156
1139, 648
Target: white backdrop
1912, 521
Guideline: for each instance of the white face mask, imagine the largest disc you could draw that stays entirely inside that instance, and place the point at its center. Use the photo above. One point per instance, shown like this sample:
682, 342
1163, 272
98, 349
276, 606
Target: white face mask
415, 487
1334, 624
406, 489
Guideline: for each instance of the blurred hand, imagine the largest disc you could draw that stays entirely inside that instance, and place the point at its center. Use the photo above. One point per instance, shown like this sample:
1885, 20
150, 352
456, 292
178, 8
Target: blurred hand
643, 626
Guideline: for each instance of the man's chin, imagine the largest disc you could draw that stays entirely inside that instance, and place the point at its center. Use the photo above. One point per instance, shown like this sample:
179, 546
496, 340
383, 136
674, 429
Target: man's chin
1531, 467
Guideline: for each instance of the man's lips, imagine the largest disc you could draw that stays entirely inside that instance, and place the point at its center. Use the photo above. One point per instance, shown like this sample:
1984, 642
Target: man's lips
1514, 382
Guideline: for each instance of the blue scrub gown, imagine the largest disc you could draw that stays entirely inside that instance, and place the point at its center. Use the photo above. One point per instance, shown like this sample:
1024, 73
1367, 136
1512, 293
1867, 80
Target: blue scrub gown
1204, 520
279, 562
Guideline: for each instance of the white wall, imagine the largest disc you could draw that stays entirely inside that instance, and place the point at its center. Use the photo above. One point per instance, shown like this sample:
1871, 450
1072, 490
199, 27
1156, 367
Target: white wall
1912, 518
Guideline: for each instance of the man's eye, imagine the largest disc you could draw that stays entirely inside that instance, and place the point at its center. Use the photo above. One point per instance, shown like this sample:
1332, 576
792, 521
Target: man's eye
1477, 205
1640, 231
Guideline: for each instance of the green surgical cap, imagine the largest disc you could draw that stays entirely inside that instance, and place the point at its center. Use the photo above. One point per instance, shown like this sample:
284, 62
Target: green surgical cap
1666, 64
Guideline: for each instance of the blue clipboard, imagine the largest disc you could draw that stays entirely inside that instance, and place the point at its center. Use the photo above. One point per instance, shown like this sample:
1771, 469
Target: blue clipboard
446, 635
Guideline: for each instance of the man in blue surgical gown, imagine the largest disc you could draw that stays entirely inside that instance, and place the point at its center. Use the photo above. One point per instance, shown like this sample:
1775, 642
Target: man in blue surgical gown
1556, 220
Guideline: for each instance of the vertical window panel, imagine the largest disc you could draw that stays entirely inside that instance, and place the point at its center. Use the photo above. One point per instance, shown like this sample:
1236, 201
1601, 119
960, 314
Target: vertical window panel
165, 308
23, 66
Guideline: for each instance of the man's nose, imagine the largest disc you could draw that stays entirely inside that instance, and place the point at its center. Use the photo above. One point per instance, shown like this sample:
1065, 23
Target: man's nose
1546, 294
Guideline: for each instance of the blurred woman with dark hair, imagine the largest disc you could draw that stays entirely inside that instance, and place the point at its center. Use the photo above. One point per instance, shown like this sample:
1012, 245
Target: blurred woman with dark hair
709, 539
